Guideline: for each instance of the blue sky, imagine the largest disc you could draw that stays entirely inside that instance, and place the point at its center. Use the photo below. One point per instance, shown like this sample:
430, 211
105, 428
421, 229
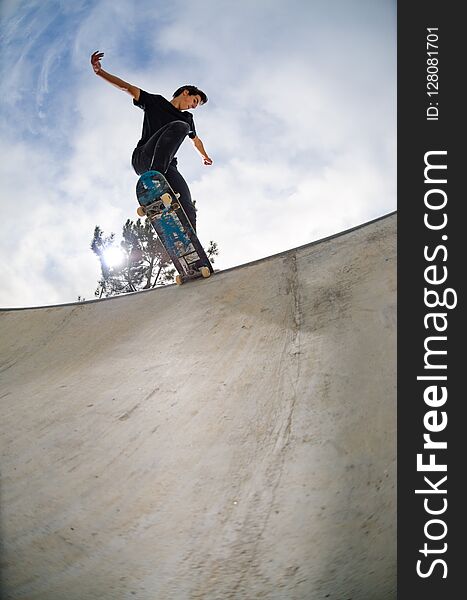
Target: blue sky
300, 124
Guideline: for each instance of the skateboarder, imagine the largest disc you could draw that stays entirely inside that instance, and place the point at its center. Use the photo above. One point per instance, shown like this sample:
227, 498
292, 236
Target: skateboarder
165, 126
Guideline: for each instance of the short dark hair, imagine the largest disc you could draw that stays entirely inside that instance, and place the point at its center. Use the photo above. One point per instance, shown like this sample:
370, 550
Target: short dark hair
193, 91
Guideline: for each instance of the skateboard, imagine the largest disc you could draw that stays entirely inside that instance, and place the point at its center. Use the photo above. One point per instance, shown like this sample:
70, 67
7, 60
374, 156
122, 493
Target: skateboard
159, 203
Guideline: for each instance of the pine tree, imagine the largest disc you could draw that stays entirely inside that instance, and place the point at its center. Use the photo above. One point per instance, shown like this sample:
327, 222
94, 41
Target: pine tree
145, 264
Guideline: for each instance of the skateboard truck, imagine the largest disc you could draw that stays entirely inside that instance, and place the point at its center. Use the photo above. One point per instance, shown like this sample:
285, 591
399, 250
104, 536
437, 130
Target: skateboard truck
156, 208
203, 272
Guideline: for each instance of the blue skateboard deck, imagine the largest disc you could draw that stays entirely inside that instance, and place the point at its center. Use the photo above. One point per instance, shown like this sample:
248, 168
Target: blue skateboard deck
159, 203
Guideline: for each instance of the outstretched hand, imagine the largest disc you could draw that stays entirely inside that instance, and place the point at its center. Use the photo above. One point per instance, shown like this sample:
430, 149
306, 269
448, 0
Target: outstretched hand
96, 61
207, 160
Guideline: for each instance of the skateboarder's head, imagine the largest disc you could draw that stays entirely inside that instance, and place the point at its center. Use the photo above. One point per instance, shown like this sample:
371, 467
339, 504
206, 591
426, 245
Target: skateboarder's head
189, 96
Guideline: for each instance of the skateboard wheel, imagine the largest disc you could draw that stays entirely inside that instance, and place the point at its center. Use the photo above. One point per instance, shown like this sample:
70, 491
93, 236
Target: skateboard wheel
141, 211
178, 280
175, 205
205, 272
166, 199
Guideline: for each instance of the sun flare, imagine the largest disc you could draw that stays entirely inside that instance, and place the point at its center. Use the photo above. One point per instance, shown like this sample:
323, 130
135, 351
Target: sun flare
113, 256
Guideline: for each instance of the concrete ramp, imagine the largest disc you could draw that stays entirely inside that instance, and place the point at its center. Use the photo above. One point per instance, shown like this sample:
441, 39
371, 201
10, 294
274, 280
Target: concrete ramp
232, 438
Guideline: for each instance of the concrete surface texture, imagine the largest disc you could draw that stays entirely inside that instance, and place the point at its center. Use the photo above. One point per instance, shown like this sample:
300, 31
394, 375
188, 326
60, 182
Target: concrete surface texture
230, 438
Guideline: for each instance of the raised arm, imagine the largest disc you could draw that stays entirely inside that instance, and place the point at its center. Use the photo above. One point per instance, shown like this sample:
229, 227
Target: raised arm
116, 81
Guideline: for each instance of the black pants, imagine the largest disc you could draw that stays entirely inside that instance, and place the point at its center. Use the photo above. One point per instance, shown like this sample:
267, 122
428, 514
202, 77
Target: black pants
158, 154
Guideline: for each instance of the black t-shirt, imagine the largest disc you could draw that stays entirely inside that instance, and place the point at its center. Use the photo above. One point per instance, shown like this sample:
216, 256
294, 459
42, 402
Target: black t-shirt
158, 112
